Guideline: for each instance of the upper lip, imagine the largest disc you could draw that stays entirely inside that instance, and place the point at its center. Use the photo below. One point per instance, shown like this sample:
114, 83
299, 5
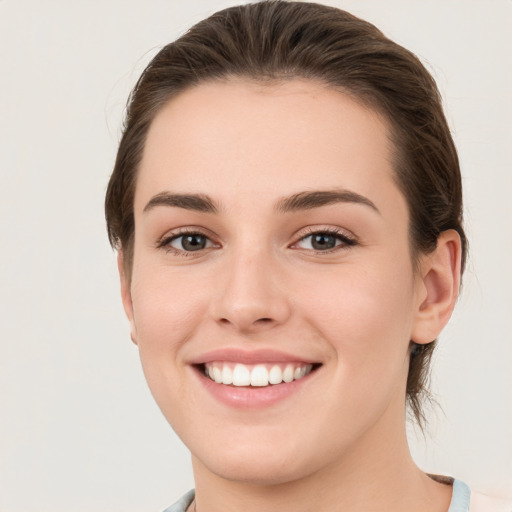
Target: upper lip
250, 356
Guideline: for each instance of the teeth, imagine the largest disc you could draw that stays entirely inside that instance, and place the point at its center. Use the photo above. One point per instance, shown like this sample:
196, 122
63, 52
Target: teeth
227, 375
241, 375
275, 375
217, 375
288, 373
259, 375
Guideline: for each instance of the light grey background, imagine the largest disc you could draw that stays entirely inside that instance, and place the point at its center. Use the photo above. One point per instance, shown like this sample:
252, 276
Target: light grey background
78, 428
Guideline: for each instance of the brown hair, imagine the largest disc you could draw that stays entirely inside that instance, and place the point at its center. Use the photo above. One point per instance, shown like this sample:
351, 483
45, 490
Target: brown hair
277, 40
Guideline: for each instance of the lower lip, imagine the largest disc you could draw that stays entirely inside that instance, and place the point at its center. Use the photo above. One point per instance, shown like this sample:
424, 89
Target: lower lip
250, 397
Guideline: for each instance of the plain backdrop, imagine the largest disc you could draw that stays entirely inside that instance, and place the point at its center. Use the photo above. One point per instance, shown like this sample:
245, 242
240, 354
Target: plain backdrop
79, 431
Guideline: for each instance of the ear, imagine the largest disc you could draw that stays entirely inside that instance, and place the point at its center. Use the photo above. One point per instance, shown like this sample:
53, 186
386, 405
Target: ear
126, 295
438, 288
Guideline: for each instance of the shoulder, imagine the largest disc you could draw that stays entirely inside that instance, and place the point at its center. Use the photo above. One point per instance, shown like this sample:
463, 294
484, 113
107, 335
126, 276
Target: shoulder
483, 503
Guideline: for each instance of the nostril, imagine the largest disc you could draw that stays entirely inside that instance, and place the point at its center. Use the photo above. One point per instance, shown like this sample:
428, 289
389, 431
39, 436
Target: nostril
259, 320
247, 323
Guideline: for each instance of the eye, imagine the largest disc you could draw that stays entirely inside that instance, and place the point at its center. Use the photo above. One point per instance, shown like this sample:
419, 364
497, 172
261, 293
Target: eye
190, 242
186, 242
324, 241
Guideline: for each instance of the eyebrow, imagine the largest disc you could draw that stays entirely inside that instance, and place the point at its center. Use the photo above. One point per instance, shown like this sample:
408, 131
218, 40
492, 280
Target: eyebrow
317, 198
301, 201
196, 202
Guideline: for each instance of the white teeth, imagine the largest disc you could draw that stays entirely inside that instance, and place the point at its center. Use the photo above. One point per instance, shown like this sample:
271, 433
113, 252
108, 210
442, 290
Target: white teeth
259, 375
227, 375
275, 376
288, 373
241, 375
217, 375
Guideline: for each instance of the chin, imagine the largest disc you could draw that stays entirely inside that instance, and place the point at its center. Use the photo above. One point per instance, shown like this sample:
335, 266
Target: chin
257, 470
256, 463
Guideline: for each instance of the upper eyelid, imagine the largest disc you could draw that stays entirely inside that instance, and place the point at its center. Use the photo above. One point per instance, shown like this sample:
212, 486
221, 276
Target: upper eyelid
187, 230
335, 231
347, 240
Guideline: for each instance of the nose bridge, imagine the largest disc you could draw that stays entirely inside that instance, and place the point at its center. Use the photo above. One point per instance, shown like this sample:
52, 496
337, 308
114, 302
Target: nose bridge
251, 297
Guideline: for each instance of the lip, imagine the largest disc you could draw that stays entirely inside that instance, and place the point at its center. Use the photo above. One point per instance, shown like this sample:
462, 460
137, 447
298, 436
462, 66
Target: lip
258, 356
249, 397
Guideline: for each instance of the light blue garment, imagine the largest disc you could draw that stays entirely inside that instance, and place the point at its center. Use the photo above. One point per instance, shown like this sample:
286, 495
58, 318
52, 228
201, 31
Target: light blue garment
460, 499
182, 504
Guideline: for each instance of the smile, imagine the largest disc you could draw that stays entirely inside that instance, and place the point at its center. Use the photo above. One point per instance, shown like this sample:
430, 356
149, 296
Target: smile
258, 375
253, 379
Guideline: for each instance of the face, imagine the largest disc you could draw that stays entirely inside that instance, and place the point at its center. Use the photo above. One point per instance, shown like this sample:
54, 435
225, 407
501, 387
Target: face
272, 294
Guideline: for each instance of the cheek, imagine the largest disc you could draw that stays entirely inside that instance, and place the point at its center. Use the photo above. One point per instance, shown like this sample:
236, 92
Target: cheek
366, 321
167, 312
165, 303
365, 313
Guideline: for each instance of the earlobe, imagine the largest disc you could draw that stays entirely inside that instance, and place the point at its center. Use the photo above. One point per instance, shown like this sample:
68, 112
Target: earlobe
126, 295
440, 280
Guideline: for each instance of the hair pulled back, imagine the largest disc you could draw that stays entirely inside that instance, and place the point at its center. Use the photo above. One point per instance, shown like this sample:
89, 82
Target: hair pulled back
277, 40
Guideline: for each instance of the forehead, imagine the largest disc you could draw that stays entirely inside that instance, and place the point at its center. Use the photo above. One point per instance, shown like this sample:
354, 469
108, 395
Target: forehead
244, 139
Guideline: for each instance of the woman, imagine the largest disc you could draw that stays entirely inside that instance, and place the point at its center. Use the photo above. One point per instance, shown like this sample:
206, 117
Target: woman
287, 206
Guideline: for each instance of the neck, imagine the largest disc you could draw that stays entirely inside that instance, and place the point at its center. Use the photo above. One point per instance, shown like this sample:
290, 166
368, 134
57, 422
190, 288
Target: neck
365, 479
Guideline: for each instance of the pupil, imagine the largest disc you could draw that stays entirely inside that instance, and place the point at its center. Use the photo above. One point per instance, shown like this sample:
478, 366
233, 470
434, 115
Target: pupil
323, 242
193, 242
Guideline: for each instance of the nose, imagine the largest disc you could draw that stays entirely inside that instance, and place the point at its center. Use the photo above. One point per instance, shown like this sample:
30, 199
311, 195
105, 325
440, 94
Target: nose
251, 297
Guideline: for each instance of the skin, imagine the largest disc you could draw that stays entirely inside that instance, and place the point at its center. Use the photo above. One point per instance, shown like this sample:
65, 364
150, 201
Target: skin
339, 443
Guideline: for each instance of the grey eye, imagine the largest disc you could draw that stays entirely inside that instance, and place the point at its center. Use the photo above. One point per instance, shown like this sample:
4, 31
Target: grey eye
319, 242
323, 241
190, 242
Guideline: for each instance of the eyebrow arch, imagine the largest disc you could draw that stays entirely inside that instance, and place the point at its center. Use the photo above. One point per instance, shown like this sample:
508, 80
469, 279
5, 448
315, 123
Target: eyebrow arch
196, 202
314, 199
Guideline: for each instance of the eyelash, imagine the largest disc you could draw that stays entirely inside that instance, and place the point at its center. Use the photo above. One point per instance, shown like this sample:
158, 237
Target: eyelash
165, 242
346, 241
336, 233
